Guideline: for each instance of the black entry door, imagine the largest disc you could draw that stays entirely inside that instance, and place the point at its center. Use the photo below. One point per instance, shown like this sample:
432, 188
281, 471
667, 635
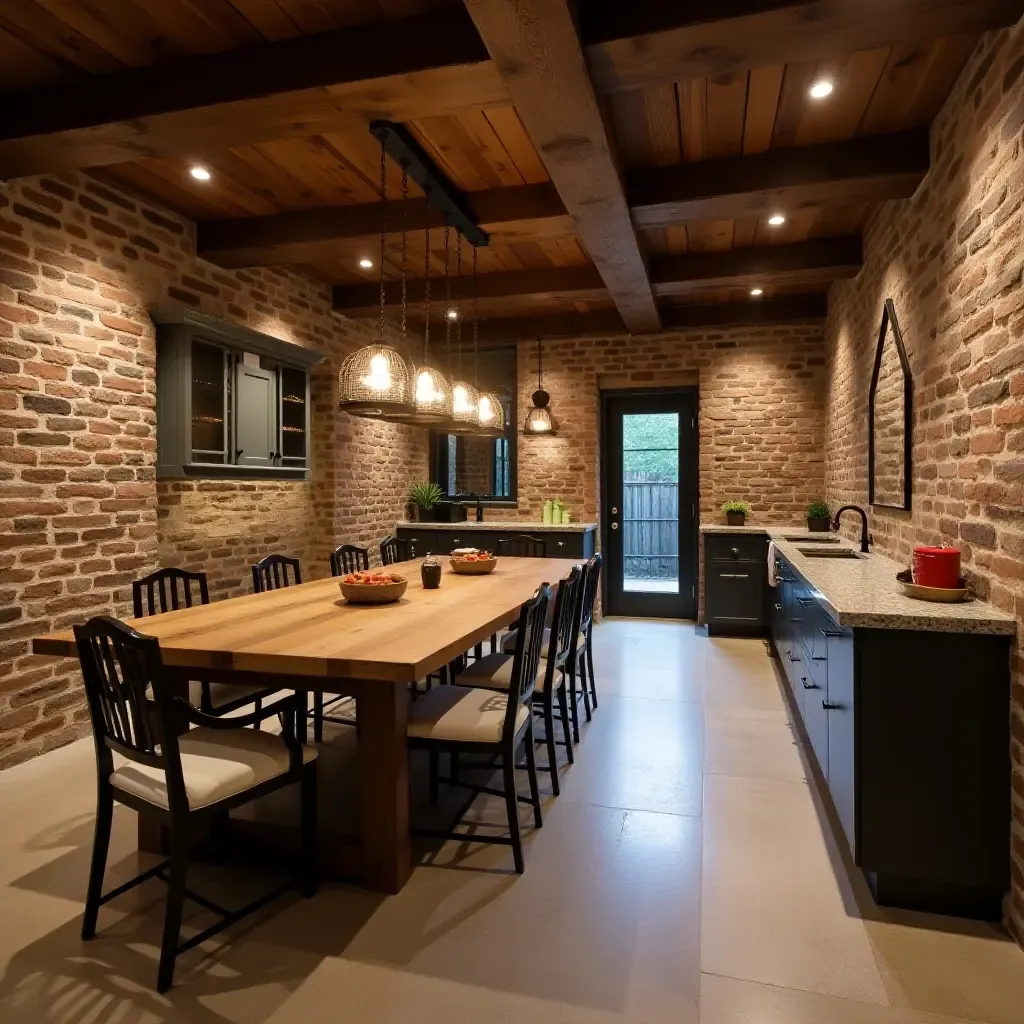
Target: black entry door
649, 502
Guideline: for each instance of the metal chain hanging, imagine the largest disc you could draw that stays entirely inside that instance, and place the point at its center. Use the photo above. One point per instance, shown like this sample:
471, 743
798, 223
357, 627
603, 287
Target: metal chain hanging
492, 412
465, 397
405, 248
383, 229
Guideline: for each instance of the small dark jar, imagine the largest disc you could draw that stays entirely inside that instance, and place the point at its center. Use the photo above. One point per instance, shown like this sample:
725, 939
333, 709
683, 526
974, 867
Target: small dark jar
430, 573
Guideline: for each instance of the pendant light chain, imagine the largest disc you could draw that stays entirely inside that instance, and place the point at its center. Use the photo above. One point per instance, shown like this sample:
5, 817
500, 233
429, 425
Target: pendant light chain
476, 322
447, 296
458, 297
540, 365
426, 278
383, 228
405, 248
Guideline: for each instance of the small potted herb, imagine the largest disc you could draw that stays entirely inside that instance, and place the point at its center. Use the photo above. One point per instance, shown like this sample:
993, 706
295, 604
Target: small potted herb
736, 512
819, 518
424, 497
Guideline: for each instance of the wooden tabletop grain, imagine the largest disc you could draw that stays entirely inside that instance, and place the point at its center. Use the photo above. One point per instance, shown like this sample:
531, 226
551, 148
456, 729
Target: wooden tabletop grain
309, 630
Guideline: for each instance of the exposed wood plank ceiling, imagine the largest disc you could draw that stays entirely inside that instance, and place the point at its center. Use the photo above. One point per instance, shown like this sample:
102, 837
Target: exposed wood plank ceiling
705, 108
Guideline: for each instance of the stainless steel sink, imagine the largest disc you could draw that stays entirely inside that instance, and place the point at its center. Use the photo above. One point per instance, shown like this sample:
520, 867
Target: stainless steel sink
829, 552
814, 540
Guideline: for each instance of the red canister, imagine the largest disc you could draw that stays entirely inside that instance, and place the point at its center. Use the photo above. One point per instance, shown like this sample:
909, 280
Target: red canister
937, 567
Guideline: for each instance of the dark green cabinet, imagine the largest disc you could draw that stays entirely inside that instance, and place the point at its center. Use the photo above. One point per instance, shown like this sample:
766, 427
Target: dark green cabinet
735, 571
560, 544
909, 732
230, 401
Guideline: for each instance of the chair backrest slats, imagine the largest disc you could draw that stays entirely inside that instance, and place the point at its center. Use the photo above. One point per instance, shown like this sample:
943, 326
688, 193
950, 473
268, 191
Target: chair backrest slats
588, 592
526, 661
349, 558
563, 622
275, 572
167, 590
395, 549
522, 546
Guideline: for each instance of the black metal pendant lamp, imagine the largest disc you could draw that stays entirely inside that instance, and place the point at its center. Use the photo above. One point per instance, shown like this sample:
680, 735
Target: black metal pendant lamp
539, 419
376, 381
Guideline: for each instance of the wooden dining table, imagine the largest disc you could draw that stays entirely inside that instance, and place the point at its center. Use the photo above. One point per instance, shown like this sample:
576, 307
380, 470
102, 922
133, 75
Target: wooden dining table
308, 638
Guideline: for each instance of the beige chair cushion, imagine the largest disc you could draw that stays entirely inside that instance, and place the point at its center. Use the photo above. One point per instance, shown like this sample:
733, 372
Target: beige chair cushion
494, 671
229, 693
462, 714
508, 641
215, 764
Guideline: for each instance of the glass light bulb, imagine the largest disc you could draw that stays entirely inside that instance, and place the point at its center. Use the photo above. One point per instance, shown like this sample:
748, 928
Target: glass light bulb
426, 393
486, 409
379, 377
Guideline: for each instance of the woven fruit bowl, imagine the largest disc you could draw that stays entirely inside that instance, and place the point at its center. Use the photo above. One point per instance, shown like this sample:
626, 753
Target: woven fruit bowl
479, 564
372, 587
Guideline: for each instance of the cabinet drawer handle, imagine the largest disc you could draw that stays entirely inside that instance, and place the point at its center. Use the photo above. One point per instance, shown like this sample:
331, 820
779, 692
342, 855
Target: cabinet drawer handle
831, 707
733, 575
806, 601
819, 657
807, 685
793, 618
831, 632
778, 607
791, 658
735, 551
561, 543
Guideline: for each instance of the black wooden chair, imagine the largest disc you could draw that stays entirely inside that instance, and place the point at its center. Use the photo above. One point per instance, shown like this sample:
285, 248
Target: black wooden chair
349, 558
274, 572
395, 549
494, 671
180, 779
462, 719
169, 589
522, 546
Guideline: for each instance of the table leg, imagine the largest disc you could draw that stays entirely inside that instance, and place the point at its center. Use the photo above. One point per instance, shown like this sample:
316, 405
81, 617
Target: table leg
384, 786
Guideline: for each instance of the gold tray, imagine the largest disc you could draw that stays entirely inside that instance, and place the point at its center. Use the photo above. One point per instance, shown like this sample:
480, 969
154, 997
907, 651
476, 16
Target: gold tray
943, 595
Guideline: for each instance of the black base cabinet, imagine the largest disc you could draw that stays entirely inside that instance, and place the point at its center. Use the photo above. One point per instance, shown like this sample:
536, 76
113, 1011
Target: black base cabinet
910, 732
568, 544
735, 581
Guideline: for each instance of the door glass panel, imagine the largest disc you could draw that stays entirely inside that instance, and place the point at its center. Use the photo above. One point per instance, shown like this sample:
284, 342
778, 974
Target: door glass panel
208, 403
650, 502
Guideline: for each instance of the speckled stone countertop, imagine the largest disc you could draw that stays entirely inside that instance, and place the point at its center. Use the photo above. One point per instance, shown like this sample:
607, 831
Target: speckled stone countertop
864, 592
497, 526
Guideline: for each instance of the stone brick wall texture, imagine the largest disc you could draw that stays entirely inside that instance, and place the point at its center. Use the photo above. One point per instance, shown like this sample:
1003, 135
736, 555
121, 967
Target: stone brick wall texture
761, 401
81, 512
951, 258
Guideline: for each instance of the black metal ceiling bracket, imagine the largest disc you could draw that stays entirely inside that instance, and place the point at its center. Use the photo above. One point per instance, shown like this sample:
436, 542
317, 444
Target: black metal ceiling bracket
404, 149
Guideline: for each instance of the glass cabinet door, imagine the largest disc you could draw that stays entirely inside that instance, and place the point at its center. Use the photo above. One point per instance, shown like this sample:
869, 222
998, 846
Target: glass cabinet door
209, 403
293, 417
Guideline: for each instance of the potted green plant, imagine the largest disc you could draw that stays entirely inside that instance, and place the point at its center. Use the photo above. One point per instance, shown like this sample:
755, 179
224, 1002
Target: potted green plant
736, 512
424, 497
819, 518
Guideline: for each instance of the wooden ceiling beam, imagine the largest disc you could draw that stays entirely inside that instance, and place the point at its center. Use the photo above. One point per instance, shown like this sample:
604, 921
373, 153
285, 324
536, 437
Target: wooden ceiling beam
647, 42
537, 49
528, 211
868, 170
816, 262
803, 308
364, 299
425, 66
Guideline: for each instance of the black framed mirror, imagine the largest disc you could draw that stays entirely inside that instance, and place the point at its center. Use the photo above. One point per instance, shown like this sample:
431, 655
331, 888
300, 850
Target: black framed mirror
890, 415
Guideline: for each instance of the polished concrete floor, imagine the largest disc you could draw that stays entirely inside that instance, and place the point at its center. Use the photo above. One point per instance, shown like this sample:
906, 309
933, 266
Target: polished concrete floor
687, 872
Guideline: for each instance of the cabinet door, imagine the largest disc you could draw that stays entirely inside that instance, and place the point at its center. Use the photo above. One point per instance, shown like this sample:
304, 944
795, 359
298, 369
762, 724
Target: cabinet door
842, 765
208, 402
815, 715
255, 426
735, 593
294, 417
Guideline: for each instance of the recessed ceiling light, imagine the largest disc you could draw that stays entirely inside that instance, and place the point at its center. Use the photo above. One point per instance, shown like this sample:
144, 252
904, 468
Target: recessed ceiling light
199, 173
821, 88
365, 263
756, 292
776, 219
453, 314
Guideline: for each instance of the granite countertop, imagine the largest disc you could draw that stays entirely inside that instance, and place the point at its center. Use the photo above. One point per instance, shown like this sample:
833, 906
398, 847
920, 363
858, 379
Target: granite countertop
518, 525
863, 592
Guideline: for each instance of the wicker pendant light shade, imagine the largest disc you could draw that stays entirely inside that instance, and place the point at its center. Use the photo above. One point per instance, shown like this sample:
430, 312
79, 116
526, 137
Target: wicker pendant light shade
492, 415
376, 381
465, 409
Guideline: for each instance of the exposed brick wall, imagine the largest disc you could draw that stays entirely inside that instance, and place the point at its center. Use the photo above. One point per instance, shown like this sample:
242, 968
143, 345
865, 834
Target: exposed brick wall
81, 513
759, 420
951, 259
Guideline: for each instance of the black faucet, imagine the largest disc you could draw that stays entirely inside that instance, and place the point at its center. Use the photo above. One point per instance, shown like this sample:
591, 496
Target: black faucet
479, 506
863, 523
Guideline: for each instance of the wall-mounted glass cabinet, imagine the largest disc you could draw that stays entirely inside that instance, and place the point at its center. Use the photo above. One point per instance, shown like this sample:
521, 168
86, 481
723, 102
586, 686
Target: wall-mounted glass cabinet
230, 401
